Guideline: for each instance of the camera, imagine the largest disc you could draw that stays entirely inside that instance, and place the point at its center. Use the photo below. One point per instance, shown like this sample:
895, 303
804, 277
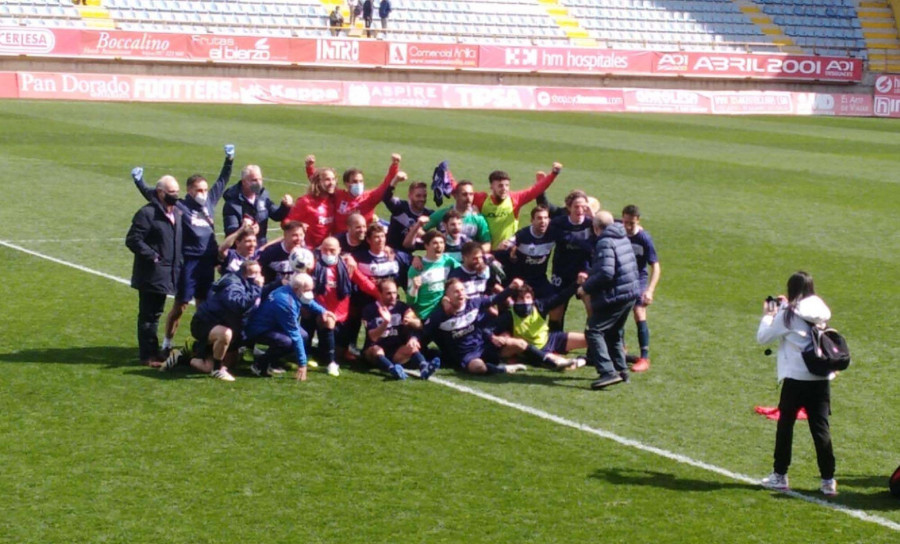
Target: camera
771, 303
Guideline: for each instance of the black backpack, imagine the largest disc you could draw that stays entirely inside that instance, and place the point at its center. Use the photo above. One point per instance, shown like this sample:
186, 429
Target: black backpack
827, 353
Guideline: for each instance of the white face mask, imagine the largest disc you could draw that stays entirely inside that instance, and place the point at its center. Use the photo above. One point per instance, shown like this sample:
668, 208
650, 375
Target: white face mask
200, 198
329, 260
356, 189
307, 296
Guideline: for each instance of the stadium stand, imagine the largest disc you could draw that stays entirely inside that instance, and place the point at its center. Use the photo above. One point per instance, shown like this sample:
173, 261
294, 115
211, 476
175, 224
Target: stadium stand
861, 28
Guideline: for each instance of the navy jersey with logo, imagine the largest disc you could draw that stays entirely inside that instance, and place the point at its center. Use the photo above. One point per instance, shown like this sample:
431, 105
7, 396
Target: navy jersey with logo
402, 217
476, 283
644, 251
377, 267
275, 263
233, 260
396, 333
532, 255
574, 244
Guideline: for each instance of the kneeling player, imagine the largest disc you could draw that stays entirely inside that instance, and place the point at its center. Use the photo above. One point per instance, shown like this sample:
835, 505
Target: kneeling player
219, 319
454, 326
388, 341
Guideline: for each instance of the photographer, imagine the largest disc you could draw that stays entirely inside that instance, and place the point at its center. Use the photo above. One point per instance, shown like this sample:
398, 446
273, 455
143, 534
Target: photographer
788, 319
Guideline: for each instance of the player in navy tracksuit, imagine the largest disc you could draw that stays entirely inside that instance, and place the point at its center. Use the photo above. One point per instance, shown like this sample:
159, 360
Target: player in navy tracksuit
575, 239
199, 243
454, 327
219, 321
249, 199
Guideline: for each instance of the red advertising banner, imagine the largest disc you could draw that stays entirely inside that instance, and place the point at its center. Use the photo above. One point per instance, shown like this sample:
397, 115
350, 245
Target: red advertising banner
565, 59
39, 41
886, 102
9, 85
135, 45
577, 99
356, 52
121, 87
407, 95
242, 49
731, 65
433, 55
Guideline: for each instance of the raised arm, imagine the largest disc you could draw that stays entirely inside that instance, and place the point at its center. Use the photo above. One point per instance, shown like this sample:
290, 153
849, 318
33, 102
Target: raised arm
215, 192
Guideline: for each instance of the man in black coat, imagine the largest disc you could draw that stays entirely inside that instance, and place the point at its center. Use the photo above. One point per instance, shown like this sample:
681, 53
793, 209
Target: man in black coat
155, 238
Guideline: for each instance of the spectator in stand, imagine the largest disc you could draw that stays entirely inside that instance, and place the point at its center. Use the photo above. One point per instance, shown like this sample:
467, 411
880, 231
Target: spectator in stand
367, 11
530, 253
199, 243
389, 342
276, 323
384, 11
645, 253
454, 328
354, 238
354, 7
574, 239
354, 197
275, 259
334, 280
426, 286
155, 238
237, 247
336, 21
405, 213
474, 224
219, 321
250, 199
316, 207
613, 285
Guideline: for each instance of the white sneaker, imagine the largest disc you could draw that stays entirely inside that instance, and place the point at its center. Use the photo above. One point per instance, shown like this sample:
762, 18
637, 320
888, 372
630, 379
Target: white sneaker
312, 364
276, 371
258, 352
222, 374
776, 481
829, 487
580, 362
334, 369
512, 369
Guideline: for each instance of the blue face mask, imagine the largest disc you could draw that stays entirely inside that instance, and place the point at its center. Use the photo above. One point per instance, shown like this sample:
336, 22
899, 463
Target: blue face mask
356, 189
523, 309
329, 260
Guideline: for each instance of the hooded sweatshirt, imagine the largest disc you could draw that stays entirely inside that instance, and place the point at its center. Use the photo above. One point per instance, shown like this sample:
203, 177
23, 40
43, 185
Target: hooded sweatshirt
795, 337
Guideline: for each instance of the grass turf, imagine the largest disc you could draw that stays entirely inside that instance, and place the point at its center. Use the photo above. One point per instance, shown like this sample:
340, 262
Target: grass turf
98, 449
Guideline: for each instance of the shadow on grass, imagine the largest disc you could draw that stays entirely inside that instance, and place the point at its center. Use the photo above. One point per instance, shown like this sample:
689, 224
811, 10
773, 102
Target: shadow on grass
532, 376
111, 356
664, 480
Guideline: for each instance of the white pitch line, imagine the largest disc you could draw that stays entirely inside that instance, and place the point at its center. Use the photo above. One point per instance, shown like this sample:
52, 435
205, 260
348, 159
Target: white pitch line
631, 443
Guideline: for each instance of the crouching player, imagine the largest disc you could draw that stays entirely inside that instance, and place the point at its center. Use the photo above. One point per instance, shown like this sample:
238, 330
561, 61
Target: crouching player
276, 323
529, 335
455, 327
220, 318
389, 343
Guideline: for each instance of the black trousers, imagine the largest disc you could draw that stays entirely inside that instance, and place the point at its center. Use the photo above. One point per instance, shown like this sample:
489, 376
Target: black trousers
815, 396
150, 308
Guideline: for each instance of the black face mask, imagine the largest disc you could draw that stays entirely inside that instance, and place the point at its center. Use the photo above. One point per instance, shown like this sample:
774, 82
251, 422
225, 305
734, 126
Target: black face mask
523, 309
256, 188
170, 199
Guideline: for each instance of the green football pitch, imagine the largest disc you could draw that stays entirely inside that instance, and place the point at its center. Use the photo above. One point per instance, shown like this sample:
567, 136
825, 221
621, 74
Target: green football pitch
95, 448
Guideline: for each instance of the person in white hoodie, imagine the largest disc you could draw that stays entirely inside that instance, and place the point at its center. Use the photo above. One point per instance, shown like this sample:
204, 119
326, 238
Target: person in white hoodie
789, 321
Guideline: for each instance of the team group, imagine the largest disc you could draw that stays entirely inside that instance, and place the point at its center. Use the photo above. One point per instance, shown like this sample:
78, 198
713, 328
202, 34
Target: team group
476, 284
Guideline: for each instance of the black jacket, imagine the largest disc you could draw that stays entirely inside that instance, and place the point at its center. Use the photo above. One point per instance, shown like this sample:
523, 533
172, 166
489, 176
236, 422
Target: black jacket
156, 244
235, 207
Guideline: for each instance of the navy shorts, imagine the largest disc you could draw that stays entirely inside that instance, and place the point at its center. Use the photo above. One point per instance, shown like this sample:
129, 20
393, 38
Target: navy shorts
556, 343
542, 288
200, 330
640, 301
196, 277
488, 353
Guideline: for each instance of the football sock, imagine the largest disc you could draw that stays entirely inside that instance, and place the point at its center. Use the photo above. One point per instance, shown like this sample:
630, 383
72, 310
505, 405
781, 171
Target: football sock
418, 359
326, 343
384, 363
643, 332
534, 356
217, 363
167, 343
495, 369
